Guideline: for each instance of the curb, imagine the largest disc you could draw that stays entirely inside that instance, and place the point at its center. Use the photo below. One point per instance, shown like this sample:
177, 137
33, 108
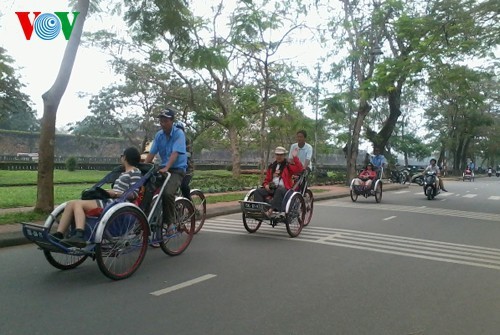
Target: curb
9, 239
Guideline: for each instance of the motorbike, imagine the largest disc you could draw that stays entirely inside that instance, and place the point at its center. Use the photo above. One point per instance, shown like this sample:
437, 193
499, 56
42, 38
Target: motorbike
498, 173
431, 185
400, 176
418, 179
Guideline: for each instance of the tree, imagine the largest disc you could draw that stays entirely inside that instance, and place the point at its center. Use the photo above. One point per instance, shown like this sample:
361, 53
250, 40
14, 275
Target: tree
462, 111
259, 30
51, 100
15, 110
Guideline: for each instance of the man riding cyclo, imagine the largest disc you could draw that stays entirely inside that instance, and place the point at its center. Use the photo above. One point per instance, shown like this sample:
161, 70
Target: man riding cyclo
365, 178
279, 179
378, 161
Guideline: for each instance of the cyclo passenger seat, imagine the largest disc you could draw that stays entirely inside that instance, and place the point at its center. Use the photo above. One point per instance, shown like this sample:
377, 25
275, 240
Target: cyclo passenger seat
143, 195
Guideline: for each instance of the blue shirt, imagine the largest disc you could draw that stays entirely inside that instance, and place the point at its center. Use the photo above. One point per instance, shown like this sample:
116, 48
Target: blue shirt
378, 161
165, 145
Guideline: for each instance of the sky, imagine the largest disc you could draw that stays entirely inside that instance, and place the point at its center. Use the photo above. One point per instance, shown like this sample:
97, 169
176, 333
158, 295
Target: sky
38, 60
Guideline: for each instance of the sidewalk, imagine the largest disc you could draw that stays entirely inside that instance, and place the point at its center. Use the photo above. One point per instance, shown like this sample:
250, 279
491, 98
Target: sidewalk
11, 234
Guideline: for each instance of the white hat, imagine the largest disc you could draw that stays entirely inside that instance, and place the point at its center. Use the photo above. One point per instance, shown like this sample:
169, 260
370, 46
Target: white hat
280, 151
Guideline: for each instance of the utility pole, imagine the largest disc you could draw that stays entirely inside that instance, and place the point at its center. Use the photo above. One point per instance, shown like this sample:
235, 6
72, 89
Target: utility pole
316, 110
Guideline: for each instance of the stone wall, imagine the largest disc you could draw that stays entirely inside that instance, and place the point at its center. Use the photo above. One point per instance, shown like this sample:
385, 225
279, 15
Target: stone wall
14, 142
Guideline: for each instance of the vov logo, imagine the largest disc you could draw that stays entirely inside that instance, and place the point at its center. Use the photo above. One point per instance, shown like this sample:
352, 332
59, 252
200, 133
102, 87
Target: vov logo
47, 26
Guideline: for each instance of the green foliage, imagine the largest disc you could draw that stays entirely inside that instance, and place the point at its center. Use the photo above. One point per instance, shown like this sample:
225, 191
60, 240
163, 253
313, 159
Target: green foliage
71, 164
15, 110
461, 110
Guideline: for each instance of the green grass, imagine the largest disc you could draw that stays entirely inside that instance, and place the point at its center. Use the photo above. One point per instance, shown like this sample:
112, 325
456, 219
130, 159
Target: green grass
67, 192
25, 196
201, 179
18, 217
13, 178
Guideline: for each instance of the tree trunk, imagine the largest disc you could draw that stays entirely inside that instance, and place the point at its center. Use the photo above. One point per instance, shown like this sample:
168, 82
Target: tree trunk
458, 156
352, 157
51, 100
381, 138
235, 151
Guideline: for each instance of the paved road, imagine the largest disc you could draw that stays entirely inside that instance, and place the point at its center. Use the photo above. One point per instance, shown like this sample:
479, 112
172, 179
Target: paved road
405, 266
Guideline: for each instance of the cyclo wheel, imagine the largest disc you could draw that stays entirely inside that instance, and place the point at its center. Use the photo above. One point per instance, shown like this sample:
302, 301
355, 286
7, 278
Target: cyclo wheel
354, 195
200, 208
176, 237
309, 201
295, 215
124, 243
378, 191
251, 225
59, 260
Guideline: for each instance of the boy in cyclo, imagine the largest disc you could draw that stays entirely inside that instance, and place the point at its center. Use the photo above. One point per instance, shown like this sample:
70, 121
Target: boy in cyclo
365, 178
279, 179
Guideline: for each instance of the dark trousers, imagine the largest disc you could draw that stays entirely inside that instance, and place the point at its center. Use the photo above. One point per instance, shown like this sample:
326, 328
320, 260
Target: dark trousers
169, 197
278, 195
185, 189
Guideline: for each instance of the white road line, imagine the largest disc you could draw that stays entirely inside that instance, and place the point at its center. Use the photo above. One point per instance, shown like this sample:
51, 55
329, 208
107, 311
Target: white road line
440, 259
389, 244
470, 195
400, 192
390, 218
414, 209
494, 197
183, 285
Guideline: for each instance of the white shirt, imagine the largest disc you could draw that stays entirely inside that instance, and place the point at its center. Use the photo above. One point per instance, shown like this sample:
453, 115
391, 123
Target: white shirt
278, 181
304, 153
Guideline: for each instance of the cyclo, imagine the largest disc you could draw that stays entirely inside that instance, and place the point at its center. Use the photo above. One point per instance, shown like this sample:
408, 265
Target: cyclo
118, 234
296, 208
374, 189
468, 175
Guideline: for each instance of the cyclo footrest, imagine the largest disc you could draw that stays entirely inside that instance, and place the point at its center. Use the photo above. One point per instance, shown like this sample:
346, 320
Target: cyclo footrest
40, 236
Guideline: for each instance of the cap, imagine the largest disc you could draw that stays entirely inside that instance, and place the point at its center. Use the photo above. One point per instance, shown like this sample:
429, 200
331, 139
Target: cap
280, 151
168, 113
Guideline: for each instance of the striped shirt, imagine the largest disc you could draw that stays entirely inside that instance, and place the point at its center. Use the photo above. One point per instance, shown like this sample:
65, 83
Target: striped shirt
126, 180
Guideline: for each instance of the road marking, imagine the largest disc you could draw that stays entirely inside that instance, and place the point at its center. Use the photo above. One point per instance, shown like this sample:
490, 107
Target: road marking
390, 218
183, 285
401, 192
440, 194
494, 197
415, 209
470, 195
463, 254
